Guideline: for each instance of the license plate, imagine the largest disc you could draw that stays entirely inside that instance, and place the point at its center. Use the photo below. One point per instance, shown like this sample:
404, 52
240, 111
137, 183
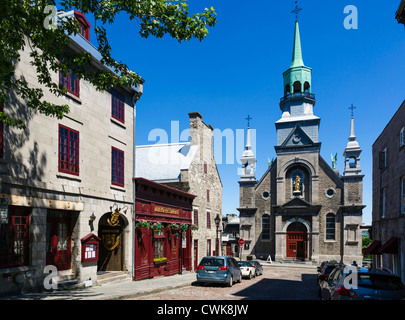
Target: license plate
210, 271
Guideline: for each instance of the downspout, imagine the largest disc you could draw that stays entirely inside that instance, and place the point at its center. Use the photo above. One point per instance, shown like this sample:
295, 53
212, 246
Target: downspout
135, 98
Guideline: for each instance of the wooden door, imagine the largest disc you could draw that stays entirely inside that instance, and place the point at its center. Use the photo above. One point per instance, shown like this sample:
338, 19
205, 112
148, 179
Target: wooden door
58, 242
229, 250
297, 245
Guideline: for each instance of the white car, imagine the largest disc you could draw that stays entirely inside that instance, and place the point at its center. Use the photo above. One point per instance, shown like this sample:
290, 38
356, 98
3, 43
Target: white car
248, 270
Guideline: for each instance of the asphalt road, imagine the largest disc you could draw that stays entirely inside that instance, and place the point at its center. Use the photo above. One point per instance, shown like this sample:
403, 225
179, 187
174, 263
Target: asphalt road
276, 283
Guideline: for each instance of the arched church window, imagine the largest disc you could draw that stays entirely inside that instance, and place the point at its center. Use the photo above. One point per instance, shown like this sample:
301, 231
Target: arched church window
306, 86
265, 227
297, 87
330, 226
287, 90
352, 162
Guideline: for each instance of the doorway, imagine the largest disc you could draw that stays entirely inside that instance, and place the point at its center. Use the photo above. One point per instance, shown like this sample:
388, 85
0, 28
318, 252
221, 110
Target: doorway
297, 241
112, 248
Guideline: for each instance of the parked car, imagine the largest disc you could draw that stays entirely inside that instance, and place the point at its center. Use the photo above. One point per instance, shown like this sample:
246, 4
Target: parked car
247, 268
328, 267
219, 270
330, 283
369, 284
258, 267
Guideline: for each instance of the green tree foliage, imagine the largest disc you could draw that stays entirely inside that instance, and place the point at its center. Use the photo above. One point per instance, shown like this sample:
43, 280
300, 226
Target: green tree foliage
22, 25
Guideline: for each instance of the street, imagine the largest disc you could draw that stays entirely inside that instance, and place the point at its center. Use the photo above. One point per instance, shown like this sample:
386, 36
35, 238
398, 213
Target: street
276, 283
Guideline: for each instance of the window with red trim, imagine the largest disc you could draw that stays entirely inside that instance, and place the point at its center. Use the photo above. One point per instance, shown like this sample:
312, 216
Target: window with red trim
208, 220
117, 106
84, 25
71, 82
68, 150
117, 167
14, 238
196, 217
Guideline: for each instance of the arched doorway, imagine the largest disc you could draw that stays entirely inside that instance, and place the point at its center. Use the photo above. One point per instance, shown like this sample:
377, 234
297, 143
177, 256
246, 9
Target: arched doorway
111, 230
297, 241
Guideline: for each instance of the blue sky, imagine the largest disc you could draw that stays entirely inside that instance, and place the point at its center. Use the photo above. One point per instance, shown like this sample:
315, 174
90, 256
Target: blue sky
238, 70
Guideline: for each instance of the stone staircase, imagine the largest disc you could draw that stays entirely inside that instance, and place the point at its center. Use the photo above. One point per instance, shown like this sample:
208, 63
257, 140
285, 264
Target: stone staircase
104, 277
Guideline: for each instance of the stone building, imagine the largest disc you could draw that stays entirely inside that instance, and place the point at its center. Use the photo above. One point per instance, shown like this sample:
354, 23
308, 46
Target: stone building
190, 167
388, 214
301, 208
61, 181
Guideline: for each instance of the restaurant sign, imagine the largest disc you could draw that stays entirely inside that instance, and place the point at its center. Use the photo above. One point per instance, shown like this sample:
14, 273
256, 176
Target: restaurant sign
160, 209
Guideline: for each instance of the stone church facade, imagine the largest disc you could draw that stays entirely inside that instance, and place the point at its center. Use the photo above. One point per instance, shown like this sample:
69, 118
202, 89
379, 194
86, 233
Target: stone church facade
301, 209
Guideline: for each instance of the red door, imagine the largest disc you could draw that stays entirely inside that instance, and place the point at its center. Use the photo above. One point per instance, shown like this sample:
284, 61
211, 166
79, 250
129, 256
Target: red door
58, 240
297, 245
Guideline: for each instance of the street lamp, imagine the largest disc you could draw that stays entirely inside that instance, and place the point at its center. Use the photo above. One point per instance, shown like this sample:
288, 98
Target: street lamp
217, 221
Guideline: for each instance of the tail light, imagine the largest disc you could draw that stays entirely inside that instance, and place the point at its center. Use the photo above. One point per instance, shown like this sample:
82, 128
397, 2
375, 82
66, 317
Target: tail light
200, 268
255, 267
342, 291
223, 268
247, 269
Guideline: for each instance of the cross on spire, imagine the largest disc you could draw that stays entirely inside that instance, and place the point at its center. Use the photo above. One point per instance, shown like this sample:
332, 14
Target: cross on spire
296, 10
352, 109
248, 119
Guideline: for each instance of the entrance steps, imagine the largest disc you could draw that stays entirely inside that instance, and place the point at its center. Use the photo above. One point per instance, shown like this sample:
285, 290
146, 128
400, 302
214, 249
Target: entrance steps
104, 277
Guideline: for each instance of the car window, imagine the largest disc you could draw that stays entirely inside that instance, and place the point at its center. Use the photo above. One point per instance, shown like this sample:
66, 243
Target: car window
232, 262
244, 264
337, 274
214, 262
379, 282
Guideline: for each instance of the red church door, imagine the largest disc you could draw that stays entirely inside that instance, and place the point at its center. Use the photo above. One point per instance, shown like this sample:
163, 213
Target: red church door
297, 241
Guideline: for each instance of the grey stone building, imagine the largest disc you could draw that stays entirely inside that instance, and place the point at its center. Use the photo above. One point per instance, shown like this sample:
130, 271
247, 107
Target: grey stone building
190, 167
388, 214
61, 180
301, 208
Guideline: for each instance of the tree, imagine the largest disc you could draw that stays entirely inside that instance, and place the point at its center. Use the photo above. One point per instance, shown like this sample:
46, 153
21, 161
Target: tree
28, 23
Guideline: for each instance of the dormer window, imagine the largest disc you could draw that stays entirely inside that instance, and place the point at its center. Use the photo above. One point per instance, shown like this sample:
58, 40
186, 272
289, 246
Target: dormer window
84, 25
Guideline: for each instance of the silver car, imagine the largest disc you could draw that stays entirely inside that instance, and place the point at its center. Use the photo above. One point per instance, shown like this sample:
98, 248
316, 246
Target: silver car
219, 270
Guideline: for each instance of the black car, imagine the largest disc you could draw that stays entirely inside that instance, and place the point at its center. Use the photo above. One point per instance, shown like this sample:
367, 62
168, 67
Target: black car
327, 268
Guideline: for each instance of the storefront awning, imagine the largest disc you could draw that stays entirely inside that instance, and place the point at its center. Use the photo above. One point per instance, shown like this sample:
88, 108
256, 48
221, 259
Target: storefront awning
372, 248
391, 246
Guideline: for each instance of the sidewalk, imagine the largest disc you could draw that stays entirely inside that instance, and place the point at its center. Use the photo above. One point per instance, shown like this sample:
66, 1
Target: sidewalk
114, 290
125, 289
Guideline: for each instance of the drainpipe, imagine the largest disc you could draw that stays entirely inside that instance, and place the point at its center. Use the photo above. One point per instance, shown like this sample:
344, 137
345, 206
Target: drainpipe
135, 98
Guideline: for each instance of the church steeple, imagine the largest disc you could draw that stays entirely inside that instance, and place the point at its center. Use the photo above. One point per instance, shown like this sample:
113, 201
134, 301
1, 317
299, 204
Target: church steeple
248, 159
297, 52
298, 101
352, 152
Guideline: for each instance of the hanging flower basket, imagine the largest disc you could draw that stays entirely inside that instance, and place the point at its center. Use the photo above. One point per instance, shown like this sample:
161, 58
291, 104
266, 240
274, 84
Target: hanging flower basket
142, 224
183, 227
194, 227
157, 226
173, 226
160, 260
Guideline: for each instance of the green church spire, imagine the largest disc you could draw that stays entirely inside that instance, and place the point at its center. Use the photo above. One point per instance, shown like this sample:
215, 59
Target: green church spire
297, 53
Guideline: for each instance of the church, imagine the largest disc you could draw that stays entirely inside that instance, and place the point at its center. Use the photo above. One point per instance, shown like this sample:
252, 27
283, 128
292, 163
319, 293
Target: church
301, 209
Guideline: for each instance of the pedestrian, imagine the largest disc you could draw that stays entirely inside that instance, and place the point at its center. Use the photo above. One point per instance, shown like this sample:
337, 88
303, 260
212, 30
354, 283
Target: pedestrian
354, 264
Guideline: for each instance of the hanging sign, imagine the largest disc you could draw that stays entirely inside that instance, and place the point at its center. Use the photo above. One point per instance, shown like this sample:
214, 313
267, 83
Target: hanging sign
4, 210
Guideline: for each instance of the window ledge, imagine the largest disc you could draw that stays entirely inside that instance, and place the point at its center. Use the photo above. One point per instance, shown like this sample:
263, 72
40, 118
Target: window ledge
118, 123
73, 97
119, 188
62, 175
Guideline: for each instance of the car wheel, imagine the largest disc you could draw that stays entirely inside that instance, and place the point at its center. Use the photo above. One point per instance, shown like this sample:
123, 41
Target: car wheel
250, 275
230, 283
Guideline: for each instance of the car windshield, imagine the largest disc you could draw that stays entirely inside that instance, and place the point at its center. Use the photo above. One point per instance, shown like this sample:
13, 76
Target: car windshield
329, 269
381, 282
214, 262
243, 264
